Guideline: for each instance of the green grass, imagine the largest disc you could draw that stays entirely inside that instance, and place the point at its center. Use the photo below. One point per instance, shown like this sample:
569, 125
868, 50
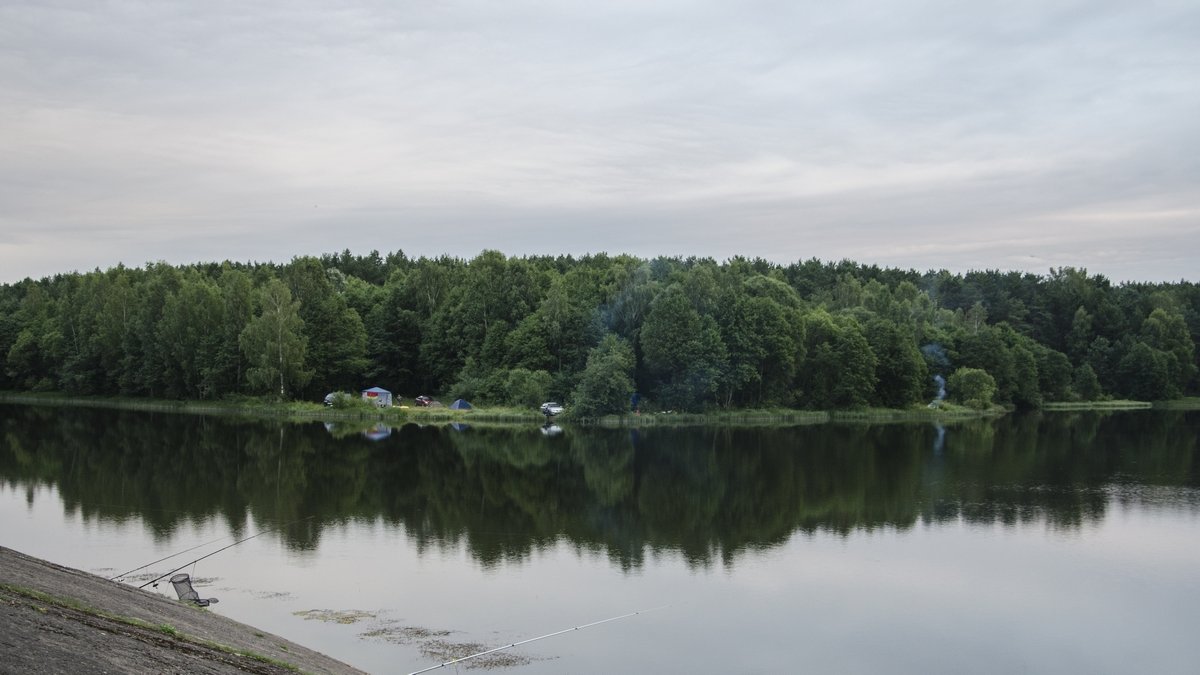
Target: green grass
1098, 405
762, 417
360, 416
1190, 403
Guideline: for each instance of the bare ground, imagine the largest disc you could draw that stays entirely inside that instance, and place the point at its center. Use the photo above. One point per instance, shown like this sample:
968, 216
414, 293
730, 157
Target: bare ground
55, 619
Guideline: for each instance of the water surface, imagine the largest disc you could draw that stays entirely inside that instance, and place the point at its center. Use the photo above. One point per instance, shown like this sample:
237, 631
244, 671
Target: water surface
1040, 543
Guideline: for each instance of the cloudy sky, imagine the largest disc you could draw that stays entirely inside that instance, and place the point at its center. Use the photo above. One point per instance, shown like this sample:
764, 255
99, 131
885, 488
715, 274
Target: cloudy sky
1006, 134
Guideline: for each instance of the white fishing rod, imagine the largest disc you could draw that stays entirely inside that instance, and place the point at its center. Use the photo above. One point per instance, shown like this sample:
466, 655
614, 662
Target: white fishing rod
540, 637
269, 529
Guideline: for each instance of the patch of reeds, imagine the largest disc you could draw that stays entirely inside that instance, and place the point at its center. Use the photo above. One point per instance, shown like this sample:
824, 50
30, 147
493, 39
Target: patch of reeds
1097, 405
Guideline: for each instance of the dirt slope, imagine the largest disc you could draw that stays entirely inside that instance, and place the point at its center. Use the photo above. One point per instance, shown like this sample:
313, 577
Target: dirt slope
59, 620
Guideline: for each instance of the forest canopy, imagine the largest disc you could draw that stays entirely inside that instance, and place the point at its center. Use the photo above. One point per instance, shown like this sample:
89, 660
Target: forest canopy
683, 333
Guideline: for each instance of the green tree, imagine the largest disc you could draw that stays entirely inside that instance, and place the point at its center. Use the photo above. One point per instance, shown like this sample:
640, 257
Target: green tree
683, 352
394, 341
39, 343
525, 387
1166, 331
1144, 373
336, 338
607, 381
764, 335
190, 343
839, 368
1054, 373
144, 363
901, 372
237, 309
557, 335
80, 307
114, 322
1085, 384
972, 387
1081, 335
989, 349
274, 341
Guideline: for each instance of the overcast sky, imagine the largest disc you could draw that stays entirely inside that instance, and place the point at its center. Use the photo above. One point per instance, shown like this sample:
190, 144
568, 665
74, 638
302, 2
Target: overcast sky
961, 135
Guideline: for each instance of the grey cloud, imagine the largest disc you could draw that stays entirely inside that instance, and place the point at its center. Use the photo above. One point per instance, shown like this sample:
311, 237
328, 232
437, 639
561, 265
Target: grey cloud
241, 130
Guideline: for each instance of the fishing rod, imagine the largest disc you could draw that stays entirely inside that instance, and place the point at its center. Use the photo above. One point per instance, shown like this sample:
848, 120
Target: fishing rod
114, 578
269, 529
540, 637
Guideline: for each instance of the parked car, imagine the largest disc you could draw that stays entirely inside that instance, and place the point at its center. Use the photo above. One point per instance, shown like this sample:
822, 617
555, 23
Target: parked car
423, 401
550, 408
338, 398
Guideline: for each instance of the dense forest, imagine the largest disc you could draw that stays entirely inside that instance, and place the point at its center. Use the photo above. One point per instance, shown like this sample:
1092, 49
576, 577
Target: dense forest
684, 334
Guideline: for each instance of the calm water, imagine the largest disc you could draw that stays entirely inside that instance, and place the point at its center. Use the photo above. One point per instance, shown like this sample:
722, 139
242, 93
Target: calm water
1064, 543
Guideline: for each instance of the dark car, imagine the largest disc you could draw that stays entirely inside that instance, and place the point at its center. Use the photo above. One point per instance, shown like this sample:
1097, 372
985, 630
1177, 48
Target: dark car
423, 401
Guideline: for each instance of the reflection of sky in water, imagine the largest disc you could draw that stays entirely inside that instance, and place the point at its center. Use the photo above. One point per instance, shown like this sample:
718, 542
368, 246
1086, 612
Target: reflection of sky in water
1115, 595
907, 548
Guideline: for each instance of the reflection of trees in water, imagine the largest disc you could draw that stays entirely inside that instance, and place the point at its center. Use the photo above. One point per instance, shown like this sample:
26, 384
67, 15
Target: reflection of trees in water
504, 493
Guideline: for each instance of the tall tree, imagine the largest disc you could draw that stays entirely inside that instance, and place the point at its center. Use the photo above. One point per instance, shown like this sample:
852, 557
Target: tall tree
1144, 373
1167, 332
839, 369
237, 310
607, 381
190, 343
765, 343
394, 341
901, 373
274, 341
337, 339
683, 350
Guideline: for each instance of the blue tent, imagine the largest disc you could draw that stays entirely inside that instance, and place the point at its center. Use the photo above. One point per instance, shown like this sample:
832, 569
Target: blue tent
380, 397
460, 405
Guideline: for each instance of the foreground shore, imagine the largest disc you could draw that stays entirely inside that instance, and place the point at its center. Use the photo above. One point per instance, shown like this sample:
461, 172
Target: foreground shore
61, 620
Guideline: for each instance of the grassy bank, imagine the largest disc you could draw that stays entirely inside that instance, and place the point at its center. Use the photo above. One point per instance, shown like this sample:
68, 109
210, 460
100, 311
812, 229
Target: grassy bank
362, 414
288, 410
1192, 403
1099, 405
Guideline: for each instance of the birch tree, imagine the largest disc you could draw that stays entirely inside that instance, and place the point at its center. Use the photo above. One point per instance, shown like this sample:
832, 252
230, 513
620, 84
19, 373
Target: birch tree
274, 342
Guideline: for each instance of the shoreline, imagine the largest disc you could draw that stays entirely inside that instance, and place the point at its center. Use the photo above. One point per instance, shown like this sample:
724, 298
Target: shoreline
501, 416
298, 411
63, 620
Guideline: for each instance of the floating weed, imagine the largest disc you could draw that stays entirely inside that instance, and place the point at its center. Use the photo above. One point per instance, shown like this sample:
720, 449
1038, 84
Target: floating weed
431, 642
149, 576
404, 634
442, 650
345, 616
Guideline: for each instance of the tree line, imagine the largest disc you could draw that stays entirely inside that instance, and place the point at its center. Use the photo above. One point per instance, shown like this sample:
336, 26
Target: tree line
683, 333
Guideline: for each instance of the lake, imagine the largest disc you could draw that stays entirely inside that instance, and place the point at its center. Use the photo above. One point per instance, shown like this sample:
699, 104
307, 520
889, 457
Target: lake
1042, 543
